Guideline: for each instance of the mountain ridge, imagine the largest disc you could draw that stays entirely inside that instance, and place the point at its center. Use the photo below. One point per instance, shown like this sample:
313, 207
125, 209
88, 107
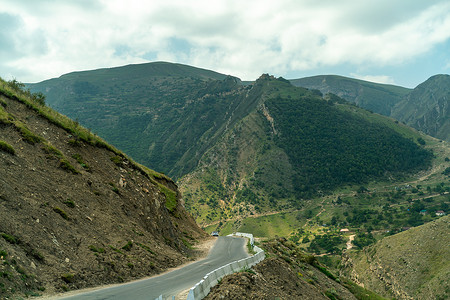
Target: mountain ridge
424, 108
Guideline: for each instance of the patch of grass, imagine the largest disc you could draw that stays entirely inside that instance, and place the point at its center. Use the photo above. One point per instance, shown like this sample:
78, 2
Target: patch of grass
36, 254
4, 146
27, 135
171, 197
359, 292
69, 203
187, 244
146, 248
5, 117
96, 250
68, 278
50, 149
80, 160
128, 246
10, 238
65, 165
248, 270
3, 253
325, 271
332, 294
61, 213
74, 142
118, 160
115, 189
116, 250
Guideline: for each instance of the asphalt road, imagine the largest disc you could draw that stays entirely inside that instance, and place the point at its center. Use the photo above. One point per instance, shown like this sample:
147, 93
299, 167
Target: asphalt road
225, 250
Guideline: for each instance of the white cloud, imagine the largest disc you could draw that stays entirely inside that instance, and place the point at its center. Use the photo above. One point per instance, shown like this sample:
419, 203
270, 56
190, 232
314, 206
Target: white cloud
374, 78
243, 38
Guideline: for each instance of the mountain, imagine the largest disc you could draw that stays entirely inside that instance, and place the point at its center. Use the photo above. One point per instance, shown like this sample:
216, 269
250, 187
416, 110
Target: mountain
163, 115
409, 265
379, 98
235, 148
292, 146
75, 212
427, 107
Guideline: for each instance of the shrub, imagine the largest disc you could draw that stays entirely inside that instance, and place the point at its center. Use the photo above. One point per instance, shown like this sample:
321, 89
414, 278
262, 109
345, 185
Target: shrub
69, 203
3, 253
65, 165
115, 189
80, 160
67, 278
96, 250
74, 142
9, 238
117, 160
128, 246
7, 148
61, 213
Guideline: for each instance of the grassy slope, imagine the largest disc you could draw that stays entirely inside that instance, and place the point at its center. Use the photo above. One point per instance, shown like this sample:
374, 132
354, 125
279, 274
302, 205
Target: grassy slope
413, 263
159, 113
247, 158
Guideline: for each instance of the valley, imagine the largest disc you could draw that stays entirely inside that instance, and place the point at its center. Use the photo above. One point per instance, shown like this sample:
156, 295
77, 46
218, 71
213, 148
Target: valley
310, 170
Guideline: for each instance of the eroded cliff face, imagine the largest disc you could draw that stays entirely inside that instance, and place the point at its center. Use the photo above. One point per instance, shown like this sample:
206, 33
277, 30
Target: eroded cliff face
75, 212
409, 265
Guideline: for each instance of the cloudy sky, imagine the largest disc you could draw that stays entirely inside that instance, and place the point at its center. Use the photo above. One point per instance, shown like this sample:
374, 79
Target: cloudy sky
401, 42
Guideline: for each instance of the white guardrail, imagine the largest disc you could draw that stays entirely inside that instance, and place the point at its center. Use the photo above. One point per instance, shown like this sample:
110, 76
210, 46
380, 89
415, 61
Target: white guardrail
201, 289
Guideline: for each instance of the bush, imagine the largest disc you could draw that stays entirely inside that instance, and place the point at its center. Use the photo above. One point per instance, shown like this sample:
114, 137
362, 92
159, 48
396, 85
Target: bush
128, 246
68, 278
7, 148
61, 213
69, 203
65, 165
96, 250
3, 253
9, 238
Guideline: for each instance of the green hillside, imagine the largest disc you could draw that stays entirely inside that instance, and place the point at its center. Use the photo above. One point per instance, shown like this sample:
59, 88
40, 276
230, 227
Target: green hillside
425, 108
266, 149
410, 265
379, 98
294, 146
163, 115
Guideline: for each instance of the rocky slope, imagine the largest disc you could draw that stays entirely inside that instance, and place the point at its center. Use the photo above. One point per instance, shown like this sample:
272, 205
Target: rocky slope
427, 107
287, 274
74, 211
409, 265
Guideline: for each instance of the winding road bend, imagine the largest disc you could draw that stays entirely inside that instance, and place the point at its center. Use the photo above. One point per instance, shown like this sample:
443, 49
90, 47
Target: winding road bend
226, 250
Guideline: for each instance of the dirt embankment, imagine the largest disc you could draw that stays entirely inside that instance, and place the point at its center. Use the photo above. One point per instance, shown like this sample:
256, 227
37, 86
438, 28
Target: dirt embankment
76, 215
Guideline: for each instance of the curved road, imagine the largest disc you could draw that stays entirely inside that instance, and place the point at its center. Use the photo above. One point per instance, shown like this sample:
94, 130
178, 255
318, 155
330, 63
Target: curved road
226, 250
